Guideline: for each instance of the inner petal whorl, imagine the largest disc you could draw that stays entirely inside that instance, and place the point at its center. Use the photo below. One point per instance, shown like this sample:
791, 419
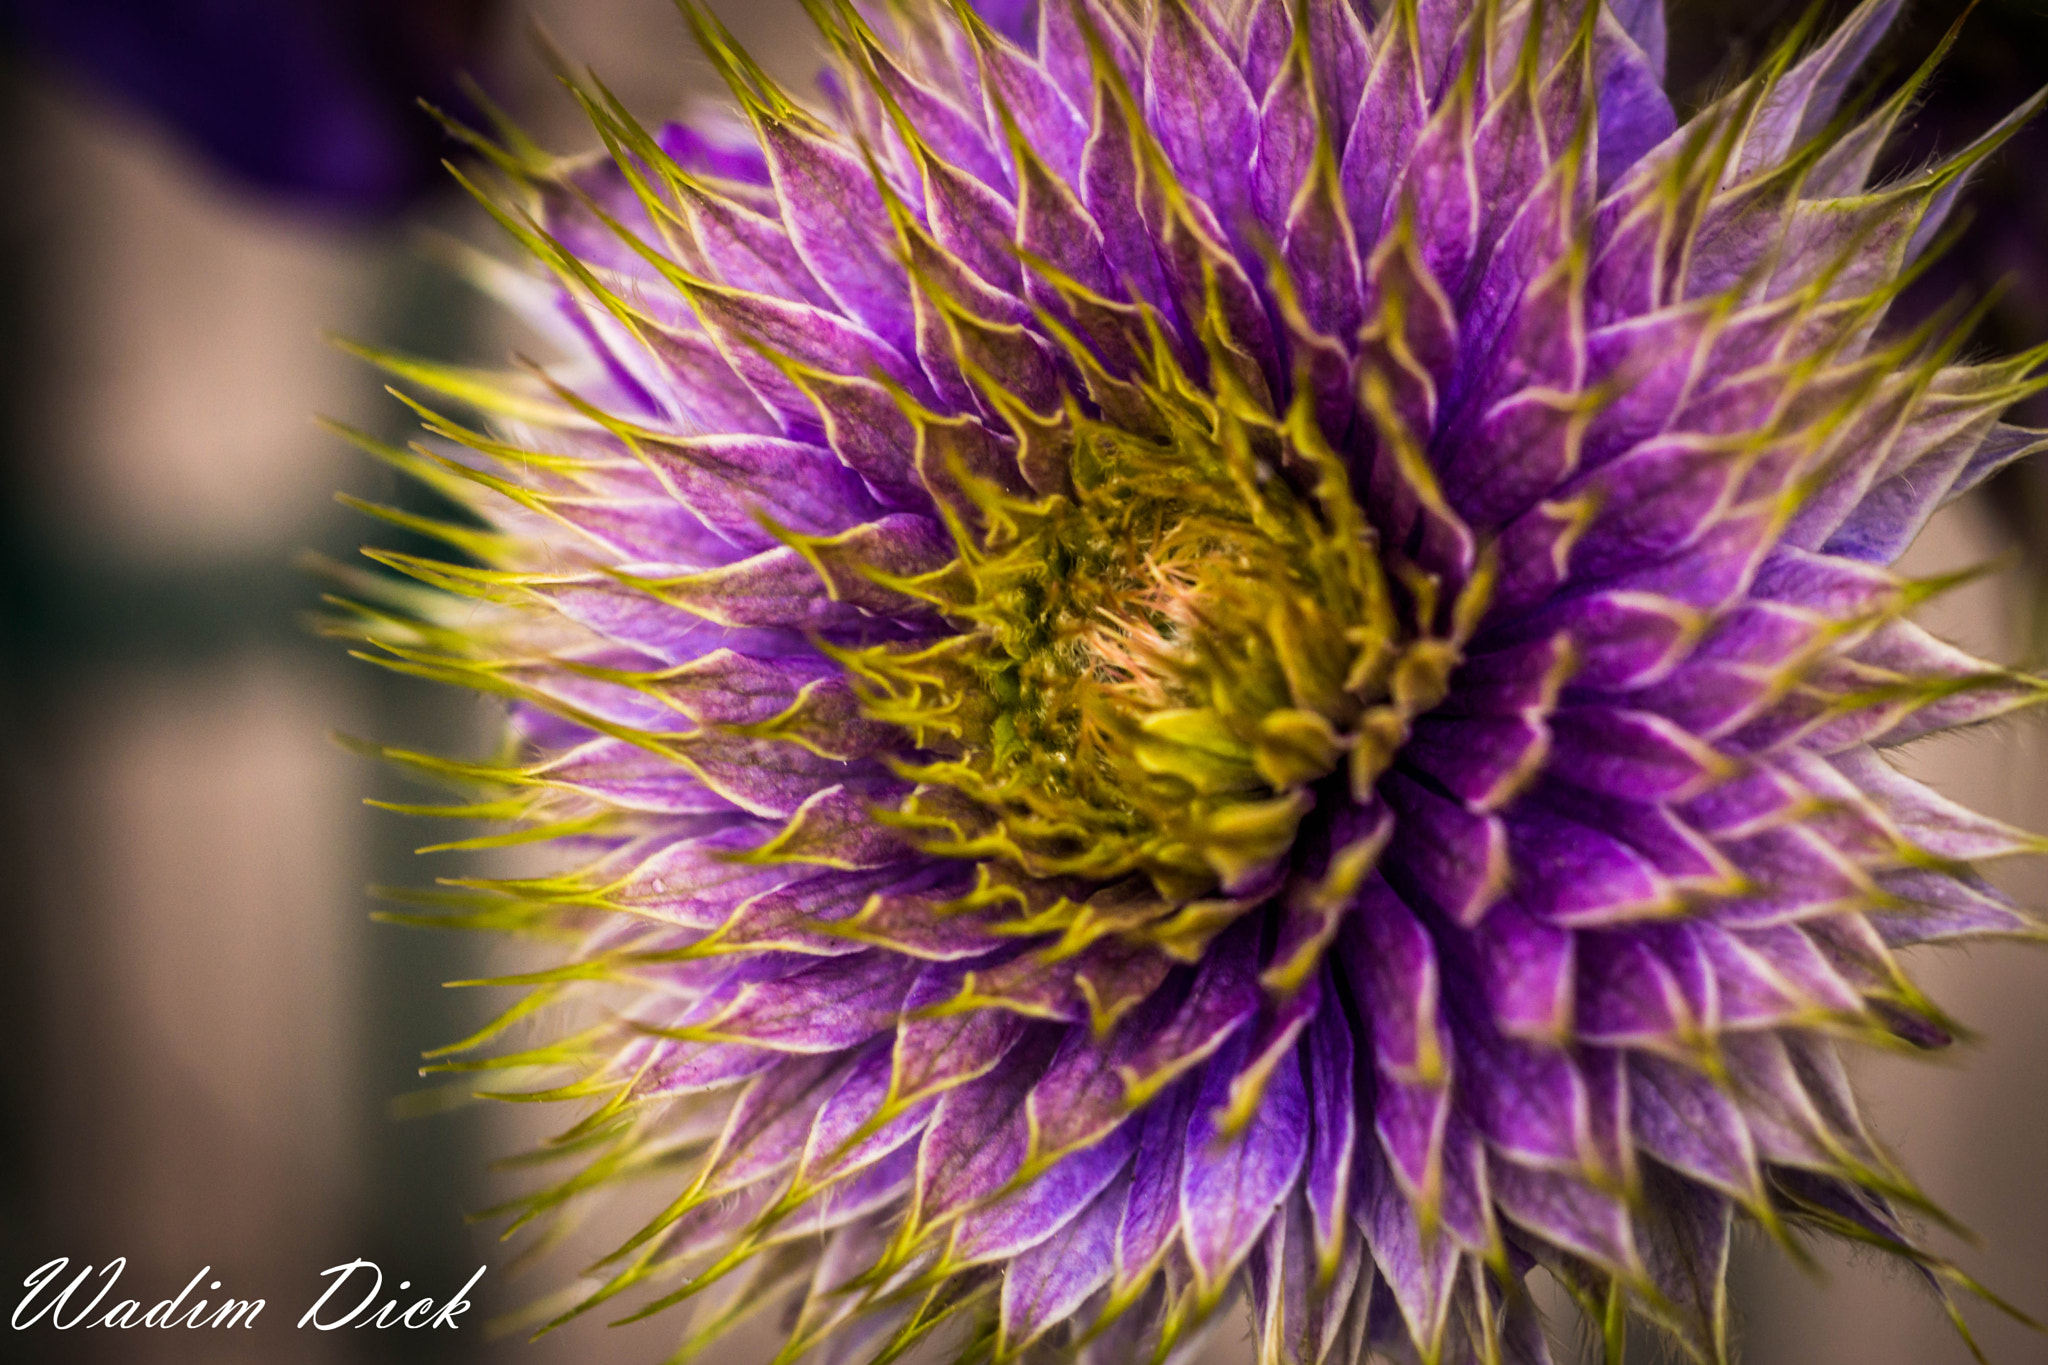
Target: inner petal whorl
1157, 665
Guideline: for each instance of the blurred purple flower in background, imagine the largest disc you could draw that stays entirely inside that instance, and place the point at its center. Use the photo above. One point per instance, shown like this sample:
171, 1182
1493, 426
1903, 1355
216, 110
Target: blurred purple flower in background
312, 101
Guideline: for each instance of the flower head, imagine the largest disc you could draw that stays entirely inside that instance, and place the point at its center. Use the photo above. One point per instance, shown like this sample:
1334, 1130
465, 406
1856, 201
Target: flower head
1205, 649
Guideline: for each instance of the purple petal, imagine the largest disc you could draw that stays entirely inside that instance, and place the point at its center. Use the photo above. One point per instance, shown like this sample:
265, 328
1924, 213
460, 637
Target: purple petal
1643, 20
704, 386
1198, 105
831, 1007
1933, 822
1048, 1203
1484, 761
1684, 1232
752, 328
1683, 1119
1938, 906
768, 1123
1568, 1213
1635, 115
1063, 46
1577, 876
976, 1140
1801, 104
1529, 969
1628, 994
1443, 854
1049, 1282
1288, 129
1222, 1000
744, 249
1391, 112
1150, 1219
1326, 1181
839, 225
1015, 85
633, 778
1419, 1271
732, 482
1231, 1186
936, 1053
1340, 50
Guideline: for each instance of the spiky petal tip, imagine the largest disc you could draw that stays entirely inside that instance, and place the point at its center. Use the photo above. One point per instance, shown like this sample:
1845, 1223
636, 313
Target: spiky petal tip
1208, 650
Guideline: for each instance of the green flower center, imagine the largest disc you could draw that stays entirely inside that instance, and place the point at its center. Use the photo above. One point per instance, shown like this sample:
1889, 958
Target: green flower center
1156, 665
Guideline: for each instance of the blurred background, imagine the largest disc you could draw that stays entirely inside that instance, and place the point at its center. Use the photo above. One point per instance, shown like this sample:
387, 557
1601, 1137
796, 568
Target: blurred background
205, 1035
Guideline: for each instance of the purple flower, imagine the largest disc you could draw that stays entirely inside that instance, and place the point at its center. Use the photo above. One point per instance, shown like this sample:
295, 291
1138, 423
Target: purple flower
1219, 650
309, 100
